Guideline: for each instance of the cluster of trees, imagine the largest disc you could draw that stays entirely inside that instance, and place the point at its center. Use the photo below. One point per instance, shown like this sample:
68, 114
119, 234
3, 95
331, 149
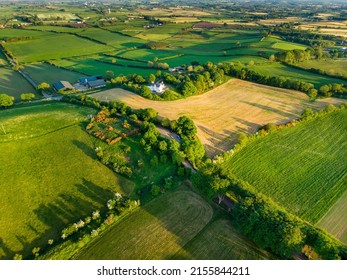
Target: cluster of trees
190, 147
268, 224
158, 65
6, 100
197, 79
296, 56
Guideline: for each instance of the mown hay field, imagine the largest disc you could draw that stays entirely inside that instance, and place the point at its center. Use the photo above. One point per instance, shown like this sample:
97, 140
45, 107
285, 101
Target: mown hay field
155, 231
220, 241
224, 112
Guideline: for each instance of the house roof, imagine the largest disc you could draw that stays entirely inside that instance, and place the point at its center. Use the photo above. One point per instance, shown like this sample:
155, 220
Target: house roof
97, 83
62, 85
86, 80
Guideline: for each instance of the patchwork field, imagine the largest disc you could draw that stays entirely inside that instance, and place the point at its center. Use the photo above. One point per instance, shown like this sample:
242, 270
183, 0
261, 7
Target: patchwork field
303, 168
242, 107
42, 144
12, 83
155, 231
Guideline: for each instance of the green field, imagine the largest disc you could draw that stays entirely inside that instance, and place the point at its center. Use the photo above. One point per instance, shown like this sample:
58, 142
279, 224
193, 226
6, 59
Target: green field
329, 66
116, 40
90, 66
276, 69
220, 241
55, 46
277, 43
42, 144
50, 74
12, 83
303, 168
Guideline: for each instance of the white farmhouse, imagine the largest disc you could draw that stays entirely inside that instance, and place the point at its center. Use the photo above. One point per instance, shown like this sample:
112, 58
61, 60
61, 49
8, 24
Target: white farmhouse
158, 87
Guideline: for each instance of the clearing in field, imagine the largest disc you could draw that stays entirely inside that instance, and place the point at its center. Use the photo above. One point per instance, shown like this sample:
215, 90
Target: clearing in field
155, 231
303, 168
12, 83
242, 107
220, 241
42, 144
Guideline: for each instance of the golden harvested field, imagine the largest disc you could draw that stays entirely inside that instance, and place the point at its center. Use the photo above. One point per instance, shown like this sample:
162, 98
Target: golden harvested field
222, 113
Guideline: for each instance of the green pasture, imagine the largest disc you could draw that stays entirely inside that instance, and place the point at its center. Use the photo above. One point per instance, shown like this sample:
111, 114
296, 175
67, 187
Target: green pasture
55, 46
14, 33
113, 39
276, 43
12, 83
95, 67
156, 231
303, 168
50, 74
51, 177
55, 28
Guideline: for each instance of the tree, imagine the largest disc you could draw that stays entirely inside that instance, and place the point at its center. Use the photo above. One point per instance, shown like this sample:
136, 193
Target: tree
42, 87
185, 126
312, 93
324, 90
151, 78
27, 96
272, 58
6, 100
188, 89
219, 187
109, 75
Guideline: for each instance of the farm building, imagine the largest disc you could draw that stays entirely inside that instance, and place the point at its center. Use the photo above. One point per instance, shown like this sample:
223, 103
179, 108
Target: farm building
92, 82
157, 87
62, 85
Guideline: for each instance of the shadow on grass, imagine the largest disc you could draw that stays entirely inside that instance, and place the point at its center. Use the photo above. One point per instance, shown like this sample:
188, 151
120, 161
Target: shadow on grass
56, 215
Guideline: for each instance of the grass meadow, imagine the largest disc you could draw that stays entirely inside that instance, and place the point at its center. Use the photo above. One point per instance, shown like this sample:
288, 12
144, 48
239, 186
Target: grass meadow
54, 46
50, 74
42, 144
303, 168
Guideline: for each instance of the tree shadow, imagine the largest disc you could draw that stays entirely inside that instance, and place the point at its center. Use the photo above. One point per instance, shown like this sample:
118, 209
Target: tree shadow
85, 148
56, 215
